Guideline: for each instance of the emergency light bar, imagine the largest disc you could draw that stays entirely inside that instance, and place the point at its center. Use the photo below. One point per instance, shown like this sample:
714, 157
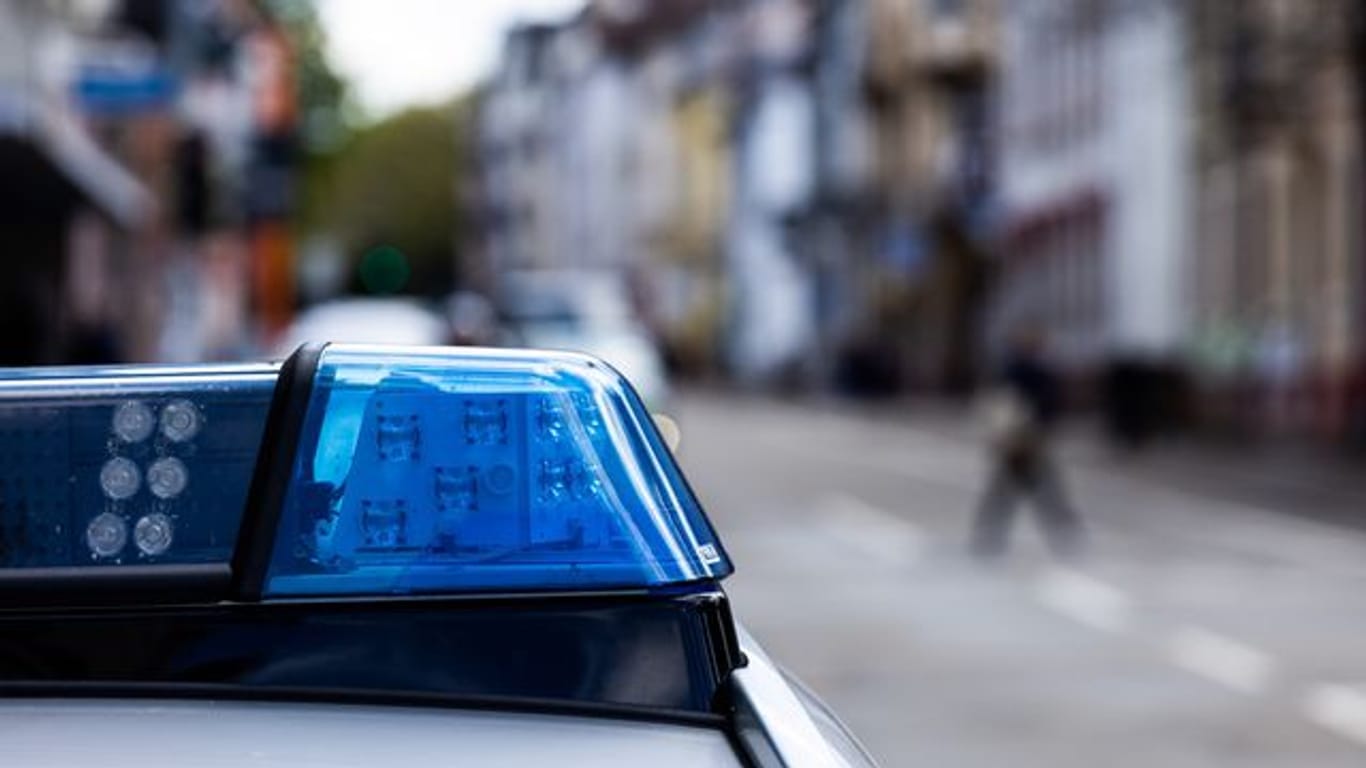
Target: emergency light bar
127, 467
455, 470
353, 471
243, 530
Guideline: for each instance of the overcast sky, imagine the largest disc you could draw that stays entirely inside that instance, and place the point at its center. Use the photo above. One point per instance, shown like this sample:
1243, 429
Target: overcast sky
403, 52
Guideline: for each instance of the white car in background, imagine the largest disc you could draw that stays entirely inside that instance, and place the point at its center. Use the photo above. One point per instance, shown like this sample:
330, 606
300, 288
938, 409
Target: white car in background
582, 311
366, 321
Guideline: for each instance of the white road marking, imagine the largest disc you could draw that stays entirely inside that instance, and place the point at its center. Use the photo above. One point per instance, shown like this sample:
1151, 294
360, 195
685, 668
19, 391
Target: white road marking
1339, 708
922, 466
1084, 599
870, 530
1228, 662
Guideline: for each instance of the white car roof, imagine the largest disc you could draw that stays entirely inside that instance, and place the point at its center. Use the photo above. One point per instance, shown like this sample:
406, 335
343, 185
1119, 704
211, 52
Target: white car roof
365, 321
79, 733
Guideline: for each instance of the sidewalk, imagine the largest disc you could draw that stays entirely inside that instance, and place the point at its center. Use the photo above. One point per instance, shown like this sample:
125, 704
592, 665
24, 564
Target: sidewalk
1305, 480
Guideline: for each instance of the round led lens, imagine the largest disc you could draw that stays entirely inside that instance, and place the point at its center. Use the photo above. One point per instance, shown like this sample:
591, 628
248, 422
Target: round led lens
167, 477
106, 535
119, 478
153, 534
180, 421
133, 421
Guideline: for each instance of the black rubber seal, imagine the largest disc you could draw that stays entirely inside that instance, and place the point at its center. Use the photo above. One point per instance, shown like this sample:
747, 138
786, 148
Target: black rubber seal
113, 585
274, 466
628, 650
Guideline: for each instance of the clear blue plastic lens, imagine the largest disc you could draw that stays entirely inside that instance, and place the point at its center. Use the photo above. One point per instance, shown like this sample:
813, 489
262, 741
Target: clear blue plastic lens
127, 466
479, 470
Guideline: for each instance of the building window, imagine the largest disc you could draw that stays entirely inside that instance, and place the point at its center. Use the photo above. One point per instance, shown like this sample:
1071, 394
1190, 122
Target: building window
946, 8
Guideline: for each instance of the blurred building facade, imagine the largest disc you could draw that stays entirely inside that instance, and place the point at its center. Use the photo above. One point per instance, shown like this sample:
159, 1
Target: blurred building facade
603, 146
1182, 208
871, 194
66, 191
927, 83
171, 124
1277, 255
1094, 183
798, 193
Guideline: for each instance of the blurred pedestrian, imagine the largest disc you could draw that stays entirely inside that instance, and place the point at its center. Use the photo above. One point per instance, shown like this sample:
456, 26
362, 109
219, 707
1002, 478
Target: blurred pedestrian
1021, 413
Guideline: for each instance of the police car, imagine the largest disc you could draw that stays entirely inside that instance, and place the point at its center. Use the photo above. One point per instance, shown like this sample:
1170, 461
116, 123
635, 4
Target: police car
369, 556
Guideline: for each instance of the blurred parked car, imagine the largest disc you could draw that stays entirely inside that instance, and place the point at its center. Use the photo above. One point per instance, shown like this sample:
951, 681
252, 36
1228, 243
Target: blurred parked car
366, 321
582, 312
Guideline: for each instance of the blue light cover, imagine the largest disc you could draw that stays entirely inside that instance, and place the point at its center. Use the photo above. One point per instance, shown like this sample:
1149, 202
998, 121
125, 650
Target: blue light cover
138, 465
465, 470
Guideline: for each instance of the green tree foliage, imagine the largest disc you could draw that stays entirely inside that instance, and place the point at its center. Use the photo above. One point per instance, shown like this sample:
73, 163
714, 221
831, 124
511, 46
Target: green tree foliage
393, 186
382, 190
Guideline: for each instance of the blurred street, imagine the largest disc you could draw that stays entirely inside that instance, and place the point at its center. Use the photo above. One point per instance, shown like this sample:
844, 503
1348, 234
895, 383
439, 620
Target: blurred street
1197, 630
1136, 223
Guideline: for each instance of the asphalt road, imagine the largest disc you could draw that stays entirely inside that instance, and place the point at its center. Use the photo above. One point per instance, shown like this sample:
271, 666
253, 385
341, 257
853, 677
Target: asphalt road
1195, 631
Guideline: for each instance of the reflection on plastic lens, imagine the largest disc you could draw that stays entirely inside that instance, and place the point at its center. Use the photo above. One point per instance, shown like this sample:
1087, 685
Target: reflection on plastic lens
106, 535
153, 534
167, 477
180, 421
133, 422
119, 478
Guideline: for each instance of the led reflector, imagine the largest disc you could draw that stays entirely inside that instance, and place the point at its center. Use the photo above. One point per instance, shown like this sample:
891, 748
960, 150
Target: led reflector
133, 422
106, 535
138, 465
167, 477
154, 534
120, 478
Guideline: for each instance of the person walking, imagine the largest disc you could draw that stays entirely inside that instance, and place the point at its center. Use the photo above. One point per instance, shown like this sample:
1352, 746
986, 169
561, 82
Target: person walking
1021, 415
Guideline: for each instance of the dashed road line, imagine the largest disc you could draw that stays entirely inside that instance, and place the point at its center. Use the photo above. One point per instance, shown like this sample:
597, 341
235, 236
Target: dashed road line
917, 467
872, 531
1218, 658
1338, 708
1233, 664
1221, 659
1084, 599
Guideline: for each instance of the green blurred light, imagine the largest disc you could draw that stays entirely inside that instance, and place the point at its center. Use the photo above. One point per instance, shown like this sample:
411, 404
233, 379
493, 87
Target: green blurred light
384, 269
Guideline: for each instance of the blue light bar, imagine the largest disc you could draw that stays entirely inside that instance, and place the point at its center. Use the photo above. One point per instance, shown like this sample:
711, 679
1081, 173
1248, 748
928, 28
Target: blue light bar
459, 470
132, 466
